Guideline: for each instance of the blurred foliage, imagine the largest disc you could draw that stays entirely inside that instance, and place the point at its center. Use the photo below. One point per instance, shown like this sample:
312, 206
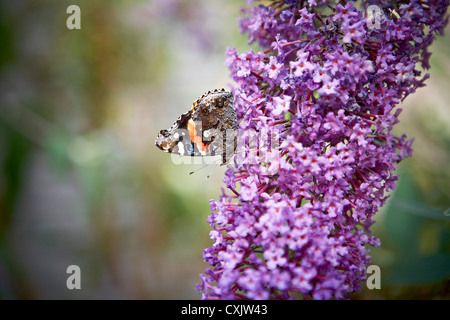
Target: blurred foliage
82, 182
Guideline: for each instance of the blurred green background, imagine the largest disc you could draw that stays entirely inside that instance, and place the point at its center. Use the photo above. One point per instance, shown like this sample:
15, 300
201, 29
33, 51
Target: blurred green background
82, 182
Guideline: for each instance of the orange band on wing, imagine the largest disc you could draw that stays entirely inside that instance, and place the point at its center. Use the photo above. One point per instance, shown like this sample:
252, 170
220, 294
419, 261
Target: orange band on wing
194, 105
194, 137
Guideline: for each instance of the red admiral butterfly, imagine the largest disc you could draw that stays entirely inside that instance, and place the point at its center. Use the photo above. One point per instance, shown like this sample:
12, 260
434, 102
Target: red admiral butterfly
208, 129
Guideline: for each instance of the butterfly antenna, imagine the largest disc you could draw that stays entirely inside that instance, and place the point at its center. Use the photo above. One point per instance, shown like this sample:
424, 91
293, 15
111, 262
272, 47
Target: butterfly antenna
192, 172
203, 167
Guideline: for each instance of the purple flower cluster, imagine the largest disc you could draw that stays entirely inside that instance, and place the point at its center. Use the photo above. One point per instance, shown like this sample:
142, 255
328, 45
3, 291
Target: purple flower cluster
296, 222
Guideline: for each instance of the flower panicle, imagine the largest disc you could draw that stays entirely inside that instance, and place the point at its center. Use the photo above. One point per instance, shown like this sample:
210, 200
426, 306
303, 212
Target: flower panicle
298, 223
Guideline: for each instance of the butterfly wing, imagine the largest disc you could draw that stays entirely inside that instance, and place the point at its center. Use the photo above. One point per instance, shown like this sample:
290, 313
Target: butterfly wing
177, 139
208, 129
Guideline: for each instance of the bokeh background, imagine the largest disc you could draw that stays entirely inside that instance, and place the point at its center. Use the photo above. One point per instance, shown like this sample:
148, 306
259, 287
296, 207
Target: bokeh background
82, 182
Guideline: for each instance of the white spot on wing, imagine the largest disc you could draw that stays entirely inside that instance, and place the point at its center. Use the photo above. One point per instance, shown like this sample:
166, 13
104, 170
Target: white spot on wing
180, 148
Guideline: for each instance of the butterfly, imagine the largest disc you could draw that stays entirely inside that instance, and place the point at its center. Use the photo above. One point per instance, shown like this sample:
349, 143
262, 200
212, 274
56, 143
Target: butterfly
208, 129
